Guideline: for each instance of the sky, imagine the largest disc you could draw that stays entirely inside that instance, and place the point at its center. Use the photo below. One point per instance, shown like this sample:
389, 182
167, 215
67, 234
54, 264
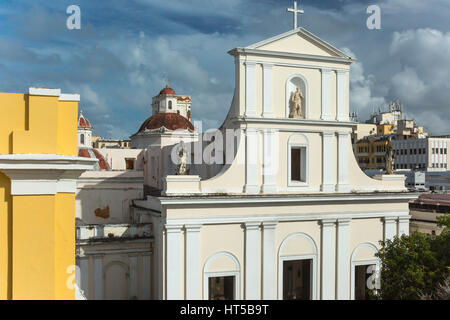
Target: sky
125, 50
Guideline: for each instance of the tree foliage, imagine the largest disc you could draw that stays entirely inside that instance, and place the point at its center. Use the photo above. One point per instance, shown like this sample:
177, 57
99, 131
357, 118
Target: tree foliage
414, 266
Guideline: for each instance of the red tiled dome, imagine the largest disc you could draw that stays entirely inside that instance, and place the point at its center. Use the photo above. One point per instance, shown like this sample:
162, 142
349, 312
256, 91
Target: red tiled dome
171, 121
167, 90
94, 154
83, 122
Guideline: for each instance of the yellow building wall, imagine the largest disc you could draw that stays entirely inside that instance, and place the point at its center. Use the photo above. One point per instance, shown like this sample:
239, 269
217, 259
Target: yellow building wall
64, 245
5, 237
33, 247
37, 232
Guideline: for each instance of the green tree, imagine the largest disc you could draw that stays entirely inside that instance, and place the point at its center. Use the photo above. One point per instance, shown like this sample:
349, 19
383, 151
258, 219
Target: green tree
414, 266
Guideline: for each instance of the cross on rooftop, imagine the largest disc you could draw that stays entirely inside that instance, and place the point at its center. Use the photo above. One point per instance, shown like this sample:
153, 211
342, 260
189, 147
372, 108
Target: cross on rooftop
295, 11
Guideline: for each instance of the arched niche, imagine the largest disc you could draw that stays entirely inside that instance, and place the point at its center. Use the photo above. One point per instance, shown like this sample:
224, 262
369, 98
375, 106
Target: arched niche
222, 264
298, 246
293, 82
116, 276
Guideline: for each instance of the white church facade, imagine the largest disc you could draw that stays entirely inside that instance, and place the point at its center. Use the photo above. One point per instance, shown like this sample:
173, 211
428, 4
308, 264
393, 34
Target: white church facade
289, 215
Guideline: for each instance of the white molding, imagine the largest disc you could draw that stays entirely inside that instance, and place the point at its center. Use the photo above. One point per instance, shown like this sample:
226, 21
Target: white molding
296, 122
239, 198
296, 65
306, 93
343, 164
288, 55
173, 262
326, 94
341, 113
251, 161
69, 97
282, 258
267, 90
133, 287
42, 174
270, 162
193, 280
252, 249
328, 249
327, 162
146, 276
308, 36
106, 251
98, 278
343, 253
269, 280
390, 226
403, 225
250, 89
282, 217
44, 92
236, 273
83, 280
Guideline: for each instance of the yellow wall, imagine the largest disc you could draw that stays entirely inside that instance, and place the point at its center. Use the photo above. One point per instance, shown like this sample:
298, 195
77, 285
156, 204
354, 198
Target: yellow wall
37, 232
5, 237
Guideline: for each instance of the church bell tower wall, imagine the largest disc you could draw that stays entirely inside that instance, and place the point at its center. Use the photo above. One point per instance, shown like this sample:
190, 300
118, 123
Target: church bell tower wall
38, 172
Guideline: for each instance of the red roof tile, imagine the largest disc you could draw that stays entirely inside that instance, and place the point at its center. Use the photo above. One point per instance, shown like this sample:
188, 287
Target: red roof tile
171, 121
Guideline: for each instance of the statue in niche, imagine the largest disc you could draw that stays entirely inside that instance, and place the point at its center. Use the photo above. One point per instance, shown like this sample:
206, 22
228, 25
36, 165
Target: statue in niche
182, 154
389, 157
295, 104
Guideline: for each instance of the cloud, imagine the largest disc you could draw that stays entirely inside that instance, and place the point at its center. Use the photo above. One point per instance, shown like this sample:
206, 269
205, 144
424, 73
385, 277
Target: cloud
421, 79
120, 57
362, 99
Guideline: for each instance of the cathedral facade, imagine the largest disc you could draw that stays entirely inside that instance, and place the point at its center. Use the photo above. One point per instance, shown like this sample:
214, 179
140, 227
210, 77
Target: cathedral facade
289, 215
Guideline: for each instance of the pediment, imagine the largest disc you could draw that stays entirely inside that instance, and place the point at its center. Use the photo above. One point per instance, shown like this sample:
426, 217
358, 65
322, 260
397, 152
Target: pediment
299, 41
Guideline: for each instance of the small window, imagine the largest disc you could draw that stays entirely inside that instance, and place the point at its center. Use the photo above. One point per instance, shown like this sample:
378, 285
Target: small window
297, 277
129, 164
221, 288
298, 164
170, 105
82, 139
362, 282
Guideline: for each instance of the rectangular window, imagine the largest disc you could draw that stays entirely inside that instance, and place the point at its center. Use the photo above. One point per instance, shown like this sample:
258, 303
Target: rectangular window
221, 288
129, 164
297, 275
298, 164
362, 274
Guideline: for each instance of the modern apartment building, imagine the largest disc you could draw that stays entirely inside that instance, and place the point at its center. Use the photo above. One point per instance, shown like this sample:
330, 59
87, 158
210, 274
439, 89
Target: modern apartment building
428, 154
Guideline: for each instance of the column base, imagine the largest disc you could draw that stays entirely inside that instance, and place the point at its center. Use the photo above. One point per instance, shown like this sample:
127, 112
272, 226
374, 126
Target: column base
251, 189
344, 188
328, 188
269, 188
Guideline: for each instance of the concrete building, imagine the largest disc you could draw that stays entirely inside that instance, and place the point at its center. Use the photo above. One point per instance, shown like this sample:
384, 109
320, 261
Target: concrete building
428, 154
113, 250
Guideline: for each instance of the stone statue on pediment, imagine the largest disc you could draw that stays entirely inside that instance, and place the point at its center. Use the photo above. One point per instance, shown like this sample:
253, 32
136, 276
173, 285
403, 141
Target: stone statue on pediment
295, 104
389, 157
182, 154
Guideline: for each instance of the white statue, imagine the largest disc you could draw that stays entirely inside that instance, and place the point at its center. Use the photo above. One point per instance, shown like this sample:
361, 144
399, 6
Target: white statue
182, 167
295, 104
